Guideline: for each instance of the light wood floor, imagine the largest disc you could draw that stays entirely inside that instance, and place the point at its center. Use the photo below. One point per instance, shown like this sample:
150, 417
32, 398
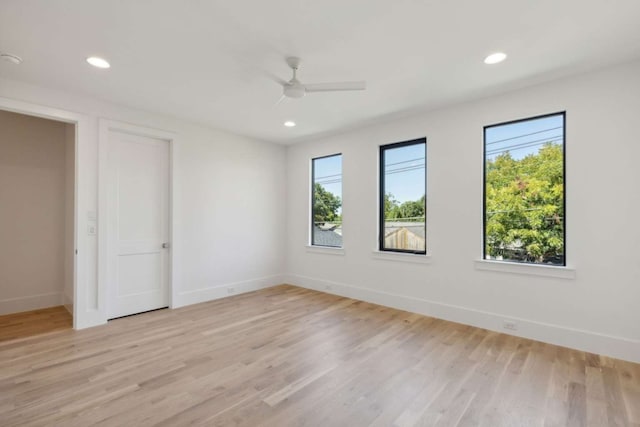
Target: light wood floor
287, 356
36, 322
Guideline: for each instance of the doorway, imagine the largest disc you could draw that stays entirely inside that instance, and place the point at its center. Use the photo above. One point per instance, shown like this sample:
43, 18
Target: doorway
37, 219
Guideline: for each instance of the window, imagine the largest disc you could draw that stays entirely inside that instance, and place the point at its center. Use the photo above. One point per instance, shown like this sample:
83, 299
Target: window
403, 207
524, 190
326, 196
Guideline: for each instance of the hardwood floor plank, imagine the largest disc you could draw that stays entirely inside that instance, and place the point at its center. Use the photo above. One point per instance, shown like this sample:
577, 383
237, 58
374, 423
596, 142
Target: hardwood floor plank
287, 356
18, 326
616, 408
299, 384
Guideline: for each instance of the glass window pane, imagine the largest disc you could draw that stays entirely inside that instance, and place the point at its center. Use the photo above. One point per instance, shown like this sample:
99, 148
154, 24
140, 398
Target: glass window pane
326, 228
403, 197
524, 187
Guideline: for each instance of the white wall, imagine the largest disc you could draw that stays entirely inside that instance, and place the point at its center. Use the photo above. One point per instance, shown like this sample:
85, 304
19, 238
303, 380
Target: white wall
228, 201
32, 212
230, 214
597, 310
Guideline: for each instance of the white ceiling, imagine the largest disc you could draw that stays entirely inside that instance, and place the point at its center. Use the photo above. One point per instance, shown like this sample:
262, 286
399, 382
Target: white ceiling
210, 61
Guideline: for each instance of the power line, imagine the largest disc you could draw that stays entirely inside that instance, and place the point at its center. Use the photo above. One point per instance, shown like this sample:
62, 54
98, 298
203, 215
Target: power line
492, 153
546, 139
514, 148
522, 145
521, 136
404, 161
323, 179
334, 181
328, 176
405, 169
388, 172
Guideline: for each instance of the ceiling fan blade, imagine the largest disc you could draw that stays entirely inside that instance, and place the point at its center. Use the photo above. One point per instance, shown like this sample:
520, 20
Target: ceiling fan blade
275, 78
335, 87
279, 101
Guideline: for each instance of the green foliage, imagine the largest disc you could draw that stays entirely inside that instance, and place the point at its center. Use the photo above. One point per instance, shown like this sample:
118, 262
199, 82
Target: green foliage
409, 209
325, 205
524, 204
390, 205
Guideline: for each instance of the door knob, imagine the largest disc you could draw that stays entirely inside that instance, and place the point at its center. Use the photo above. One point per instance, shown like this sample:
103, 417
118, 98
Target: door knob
165, 245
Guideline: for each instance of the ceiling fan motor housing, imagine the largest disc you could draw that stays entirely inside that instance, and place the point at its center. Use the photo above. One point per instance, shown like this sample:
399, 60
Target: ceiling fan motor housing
294, 90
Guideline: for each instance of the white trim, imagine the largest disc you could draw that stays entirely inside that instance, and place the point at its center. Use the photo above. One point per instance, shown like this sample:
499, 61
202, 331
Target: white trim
401, 257
225, 290
326, 250
310, 204
67, 302
593, 342
104, 126
554, 271
83, 315
31, 302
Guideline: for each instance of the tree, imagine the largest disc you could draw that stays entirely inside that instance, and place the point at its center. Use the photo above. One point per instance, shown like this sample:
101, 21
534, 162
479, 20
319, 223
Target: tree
413, 209
409, 209
390, 206
325, 205
524, 204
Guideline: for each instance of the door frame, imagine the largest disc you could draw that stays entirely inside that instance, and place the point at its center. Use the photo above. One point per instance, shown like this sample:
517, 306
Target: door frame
104, 127
83, 314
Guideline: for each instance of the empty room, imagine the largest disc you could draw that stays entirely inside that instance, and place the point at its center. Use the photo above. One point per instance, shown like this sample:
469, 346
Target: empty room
296, 213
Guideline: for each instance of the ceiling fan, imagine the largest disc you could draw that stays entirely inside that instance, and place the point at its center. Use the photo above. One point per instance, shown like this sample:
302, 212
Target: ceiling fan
296, 89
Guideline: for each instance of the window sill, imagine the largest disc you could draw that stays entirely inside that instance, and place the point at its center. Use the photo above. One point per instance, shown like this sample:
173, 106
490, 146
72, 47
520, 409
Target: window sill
401, 257
558, 272
326, 250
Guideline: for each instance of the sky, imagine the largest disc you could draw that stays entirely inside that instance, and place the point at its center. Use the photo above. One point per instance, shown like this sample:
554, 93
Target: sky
404, 166
523, 138
405, 172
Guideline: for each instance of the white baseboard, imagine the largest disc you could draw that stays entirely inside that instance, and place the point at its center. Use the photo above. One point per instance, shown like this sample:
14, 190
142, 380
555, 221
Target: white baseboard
593, 342
68, 303
32, 302
226, 290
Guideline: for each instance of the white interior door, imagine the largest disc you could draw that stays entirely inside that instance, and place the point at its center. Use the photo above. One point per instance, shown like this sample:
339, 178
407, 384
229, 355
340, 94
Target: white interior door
137, 224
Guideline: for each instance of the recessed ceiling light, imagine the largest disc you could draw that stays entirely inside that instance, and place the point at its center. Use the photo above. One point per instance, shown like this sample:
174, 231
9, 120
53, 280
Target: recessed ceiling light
8, 57
494, 58
289, 124
98, 62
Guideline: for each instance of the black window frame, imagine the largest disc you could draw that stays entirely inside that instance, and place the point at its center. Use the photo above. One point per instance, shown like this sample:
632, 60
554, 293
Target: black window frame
564, 185
381, 194
313, 197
